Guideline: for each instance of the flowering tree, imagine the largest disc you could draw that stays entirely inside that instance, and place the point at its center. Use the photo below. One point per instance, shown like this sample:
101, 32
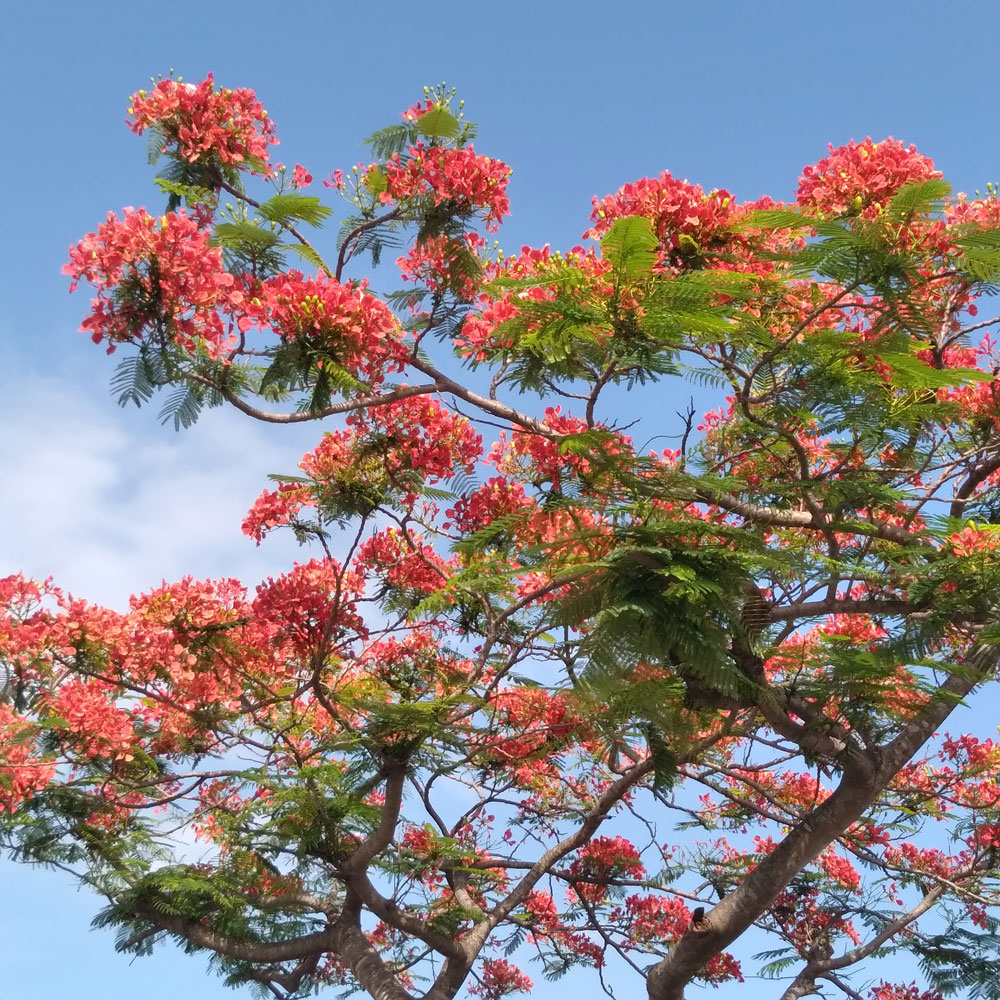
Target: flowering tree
558, 697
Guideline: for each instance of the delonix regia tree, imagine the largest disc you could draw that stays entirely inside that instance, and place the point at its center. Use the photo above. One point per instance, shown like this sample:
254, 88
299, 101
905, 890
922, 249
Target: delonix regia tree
558, 697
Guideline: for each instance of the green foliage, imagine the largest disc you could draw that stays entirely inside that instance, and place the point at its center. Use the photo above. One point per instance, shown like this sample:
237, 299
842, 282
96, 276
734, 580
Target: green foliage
980, 254
924, 198
183, 406
653, 602
438, 123
630, 245
138, 377
243, 235
289, 206
910, 372
962, 961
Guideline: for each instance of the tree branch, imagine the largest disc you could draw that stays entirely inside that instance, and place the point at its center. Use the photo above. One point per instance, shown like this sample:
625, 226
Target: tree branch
865, 775
348, 406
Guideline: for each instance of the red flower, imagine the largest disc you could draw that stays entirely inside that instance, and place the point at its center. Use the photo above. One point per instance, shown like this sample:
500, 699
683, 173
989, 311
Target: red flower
475, 183
22, 774
862, 176
199, 122
499, 977
152, 275
354, 326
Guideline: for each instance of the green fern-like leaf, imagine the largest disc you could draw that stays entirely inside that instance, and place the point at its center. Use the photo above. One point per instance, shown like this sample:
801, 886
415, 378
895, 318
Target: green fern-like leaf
283, 207
630, 245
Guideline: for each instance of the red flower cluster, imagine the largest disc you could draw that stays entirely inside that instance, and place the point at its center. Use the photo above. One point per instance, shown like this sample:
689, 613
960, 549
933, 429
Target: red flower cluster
98, 727
605, 858
481, 332
862, 176
200, 122
474, 183
155, 277
498, 978
974, 539
656, 919
432, 262
407, 564
540, 720
538, 457
357, 329
390, 448
497, 497
896, 991
840, 870
425, 436
22, 774
675, 208
304, 602
273, 508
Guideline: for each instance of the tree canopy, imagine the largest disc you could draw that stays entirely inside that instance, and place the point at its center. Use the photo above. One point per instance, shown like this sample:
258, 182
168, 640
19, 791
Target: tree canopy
547, 694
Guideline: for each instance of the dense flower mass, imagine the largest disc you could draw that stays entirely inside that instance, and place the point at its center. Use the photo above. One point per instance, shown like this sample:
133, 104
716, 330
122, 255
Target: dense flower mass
676, 207
158, 278
425, 436
859, 177
403, 561
22, 772
499, 979
200, 123
474, 183
439, 261
354, 328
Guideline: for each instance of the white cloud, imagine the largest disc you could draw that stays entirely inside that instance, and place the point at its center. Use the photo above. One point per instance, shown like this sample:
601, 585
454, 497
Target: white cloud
108, 502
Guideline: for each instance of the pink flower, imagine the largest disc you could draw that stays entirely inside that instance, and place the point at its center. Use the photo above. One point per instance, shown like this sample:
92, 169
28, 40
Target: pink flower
862, 176
301, 177
335, 180
155, 275
359, 329
199, 122
498, 978
474, 183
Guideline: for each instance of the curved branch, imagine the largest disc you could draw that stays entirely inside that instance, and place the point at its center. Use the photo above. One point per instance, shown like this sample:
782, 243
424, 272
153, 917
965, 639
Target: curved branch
978, 475
244, 197
344, 256
886, 934
868, 606
382, 835
497, 409
348, 406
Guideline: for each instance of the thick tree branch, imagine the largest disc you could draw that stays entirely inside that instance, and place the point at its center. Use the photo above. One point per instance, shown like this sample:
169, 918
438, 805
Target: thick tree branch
887, 607
246, 951
382, 835
865, 775
778, 517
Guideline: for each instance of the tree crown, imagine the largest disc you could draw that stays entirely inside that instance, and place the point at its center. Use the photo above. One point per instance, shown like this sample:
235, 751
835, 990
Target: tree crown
559, 693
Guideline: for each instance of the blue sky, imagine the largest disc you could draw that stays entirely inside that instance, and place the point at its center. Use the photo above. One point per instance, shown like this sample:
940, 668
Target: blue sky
578, 97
